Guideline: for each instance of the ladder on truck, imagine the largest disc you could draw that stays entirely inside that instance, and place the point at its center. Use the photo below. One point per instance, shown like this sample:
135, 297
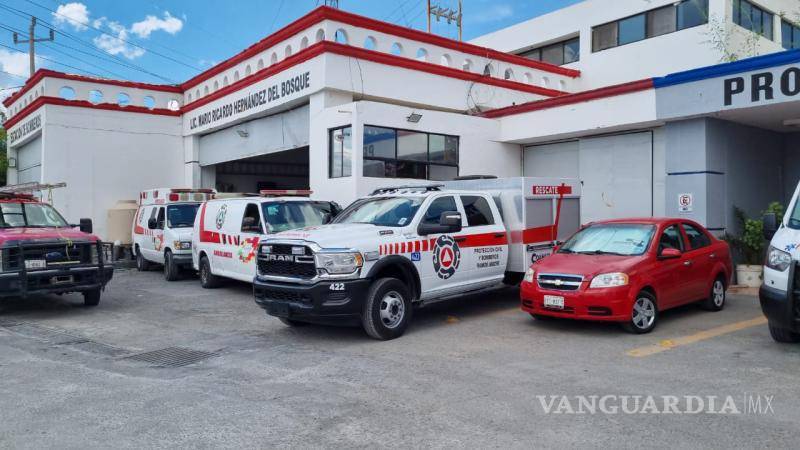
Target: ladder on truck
32, 188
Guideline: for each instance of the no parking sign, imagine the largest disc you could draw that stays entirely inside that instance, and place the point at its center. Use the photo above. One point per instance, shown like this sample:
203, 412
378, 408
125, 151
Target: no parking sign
685, 203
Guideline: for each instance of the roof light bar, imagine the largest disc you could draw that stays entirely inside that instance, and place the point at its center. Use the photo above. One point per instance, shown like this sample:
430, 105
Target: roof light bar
286, 192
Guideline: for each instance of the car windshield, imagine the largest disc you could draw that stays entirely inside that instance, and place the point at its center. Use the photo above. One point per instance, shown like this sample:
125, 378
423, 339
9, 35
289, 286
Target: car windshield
610, 239
33, 215
283, 216
385, 212
181, 216
794, 219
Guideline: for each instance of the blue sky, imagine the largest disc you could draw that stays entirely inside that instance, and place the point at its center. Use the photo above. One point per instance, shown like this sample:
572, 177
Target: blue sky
172, 40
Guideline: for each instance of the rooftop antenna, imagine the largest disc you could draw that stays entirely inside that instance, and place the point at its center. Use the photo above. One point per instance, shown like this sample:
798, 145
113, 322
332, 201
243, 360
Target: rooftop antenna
451, 15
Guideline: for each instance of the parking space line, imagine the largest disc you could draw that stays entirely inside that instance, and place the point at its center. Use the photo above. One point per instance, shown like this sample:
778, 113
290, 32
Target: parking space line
669, 344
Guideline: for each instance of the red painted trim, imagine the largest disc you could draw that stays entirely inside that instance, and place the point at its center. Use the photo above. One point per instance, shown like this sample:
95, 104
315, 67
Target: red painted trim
205, 235
570, 99
408, 33
44, 100
42, 73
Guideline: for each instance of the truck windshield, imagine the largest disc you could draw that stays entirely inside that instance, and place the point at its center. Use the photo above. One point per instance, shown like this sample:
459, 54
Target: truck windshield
794, 219
283, 216
181, 216
33, 215
610, 239
385, 212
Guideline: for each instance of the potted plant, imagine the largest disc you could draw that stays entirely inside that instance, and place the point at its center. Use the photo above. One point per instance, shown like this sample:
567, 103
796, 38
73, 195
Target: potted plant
750, 245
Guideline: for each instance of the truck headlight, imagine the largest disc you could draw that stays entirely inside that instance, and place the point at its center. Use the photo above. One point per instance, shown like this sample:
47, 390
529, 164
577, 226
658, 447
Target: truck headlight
778, 259
2, 260
94, 254
339, 263
266, 249
182, 245
607, 280
529, 275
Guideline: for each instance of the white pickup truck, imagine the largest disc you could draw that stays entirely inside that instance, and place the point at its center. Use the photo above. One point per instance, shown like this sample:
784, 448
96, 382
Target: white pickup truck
404, 246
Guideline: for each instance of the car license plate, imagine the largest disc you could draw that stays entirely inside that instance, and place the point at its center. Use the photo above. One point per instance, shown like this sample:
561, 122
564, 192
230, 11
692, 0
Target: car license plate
280, 310
32, 264
553, 301
64, 279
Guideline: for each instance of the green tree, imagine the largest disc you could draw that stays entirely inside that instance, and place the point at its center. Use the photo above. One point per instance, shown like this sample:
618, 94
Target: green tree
3, 156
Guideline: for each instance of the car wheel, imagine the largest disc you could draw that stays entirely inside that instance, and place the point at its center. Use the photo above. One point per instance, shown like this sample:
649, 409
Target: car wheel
142, 265
91, 298
387, 310
171, 270
207, 279
292, 323
717, 296
783, 335
644, 314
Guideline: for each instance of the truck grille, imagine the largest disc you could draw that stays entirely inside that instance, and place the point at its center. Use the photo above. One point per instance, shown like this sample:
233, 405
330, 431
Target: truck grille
283, 262
559, 282
55, 255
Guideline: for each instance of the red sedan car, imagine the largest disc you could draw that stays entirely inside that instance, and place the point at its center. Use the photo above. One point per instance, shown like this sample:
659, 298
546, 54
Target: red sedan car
628, 271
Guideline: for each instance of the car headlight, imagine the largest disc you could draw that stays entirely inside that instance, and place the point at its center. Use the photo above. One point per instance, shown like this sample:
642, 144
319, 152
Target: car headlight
529, 275
94, 254
607, 280
339, 263
778, 259
182, 245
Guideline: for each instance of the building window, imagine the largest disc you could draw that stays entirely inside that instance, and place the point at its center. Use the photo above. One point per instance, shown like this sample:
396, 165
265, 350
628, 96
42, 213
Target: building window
790, 35
558, 54
650, 24
753, 18
340, 141
392, 153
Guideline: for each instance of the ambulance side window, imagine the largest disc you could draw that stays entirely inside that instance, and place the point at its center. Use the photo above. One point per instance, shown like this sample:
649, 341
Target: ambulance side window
251, 222
478, 211
437, 207
160, 220
153, 215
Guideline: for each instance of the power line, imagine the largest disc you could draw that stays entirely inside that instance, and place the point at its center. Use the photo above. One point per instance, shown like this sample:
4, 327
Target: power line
14, 75
89, 25
117, 75
55, 62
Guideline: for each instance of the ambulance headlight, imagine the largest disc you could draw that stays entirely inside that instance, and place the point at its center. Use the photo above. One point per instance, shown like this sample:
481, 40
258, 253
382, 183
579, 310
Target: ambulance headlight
339, 263
182, 245
529, 275
608, 280
778, 259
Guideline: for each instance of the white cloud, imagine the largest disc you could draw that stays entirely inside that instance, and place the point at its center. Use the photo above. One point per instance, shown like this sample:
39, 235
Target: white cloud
114, 42
490, 14
73, 14
150, 24
14, 62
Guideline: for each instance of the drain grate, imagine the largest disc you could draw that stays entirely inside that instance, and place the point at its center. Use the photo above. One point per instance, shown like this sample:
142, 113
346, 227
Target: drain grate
41, 333
172, 357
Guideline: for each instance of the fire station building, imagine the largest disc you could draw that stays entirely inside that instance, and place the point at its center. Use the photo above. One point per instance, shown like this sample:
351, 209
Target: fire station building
628, 96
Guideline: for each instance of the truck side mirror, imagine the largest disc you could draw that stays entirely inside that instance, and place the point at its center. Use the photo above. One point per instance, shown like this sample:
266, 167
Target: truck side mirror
451, 220
770, 222
152, 223
86, 226
327, 218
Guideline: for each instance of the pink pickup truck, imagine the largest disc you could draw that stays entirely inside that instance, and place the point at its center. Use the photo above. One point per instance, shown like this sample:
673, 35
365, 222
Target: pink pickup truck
40, 253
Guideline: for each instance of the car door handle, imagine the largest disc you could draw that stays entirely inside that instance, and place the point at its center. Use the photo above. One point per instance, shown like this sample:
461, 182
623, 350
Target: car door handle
499, 235
460, 239
687, 263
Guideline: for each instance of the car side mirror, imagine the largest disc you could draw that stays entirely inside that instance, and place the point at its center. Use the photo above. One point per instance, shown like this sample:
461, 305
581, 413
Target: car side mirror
152, 223
449, 222
86, 226
670, 253
770, 222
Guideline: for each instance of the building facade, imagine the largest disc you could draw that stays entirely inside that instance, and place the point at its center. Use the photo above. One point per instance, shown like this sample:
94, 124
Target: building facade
632, 100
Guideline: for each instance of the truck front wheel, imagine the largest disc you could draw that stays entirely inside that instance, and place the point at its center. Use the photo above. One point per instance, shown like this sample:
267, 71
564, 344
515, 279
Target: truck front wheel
172, 272
91, 298
387, 310
207, 279
783, 335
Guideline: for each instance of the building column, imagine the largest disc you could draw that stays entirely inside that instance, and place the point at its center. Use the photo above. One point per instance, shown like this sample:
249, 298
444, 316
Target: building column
192, 175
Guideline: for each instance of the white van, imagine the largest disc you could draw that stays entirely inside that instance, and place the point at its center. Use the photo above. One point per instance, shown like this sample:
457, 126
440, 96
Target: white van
162, 229
780, 291
227, 231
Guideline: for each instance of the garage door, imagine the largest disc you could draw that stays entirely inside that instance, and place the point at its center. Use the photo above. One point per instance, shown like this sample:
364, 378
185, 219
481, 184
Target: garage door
29, 162
616, 172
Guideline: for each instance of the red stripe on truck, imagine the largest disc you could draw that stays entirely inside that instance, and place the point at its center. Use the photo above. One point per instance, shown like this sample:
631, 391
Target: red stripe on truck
205, 235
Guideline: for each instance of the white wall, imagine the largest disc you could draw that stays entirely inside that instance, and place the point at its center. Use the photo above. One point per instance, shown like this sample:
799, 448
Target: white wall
106, 156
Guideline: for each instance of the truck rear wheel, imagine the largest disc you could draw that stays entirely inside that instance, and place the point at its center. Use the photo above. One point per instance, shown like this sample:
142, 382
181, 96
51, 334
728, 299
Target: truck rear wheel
172, 272
387, 310
783, 335
207, 279
142, 265
91, 298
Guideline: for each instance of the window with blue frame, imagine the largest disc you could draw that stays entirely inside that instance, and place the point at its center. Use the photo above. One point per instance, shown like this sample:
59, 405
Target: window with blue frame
790, 35
393, 153
754, 18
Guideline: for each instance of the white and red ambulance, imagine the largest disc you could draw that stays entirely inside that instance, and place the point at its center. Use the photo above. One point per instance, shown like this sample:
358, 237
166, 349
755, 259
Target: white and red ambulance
162, 228
227, 231
412, 245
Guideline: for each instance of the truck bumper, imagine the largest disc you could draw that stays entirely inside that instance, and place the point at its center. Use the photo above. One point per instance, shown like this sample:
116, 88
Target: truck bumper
182, 259
328, 303
60, 281
779, 307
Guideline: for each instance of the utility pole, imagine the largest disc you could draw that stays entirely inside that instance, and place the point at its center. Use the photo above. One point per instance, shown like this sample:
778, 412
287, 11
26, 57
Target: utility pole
446, 13
332, 3
31, 41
